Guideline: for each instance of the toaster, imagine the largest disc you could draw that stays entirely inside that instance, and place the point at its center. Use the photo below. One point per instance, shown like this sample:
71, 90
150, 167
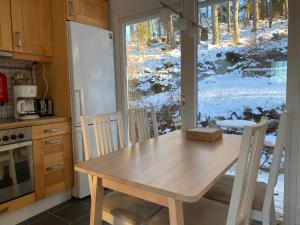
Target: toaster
45, 107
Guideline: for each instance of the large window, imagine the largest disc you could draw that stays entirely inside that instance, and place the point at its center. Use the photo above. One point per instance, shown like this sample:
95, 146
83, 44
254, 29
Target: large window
242, 70
154, 69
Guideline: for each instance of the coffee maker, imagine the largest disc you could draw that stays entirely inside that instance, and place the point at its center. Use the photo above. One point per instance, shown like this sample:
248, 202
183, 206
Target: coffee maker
25, 103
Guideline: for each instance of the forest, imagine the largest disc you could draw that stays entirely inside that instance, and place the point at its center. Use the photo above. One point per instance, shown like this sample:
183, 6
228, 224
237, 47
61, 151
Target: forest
211, 14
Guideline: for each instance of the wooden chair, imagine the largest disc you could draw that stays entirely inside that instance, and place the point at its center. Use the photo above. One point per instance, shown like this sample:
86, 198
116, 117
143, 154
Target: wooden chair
209, 212
263, 208
118, 208
140, 120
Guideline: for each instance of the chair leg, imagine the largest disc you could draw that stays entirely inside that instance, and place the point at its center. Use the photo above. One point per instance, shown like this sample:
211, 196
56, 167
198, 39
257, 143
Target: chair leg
273, 220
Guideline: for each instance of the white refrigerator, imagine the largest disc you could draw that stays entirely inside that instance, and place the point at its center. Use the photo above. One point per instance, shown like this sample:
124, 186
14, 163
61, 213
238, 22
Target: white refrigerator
92, 80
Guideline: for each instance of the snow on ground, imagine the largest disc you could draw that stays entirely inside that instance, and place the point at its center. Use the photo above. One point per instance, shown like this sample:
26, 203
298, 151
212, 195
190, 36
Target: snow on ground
221, 95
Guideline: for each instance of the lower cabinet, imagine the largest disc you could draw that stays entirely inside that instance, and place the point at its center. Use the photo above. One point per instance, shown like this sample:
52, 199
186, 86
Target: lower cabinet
53, 167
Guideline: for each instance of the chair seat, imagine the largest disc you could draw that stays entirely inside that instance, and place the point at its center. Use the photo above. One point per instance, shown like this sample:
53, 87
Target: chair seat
129, 209
204, 212
221, 192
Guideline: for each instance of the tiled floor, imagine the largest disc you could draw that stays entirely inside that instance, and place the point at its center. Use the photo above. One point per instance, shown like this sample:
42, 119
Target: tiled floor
72, 212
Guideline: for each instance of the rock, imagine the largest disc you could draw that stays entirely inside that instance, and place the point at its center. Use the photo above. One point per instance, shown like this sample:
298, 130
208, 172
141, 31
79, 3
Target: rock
233, 57
168, 65
272, 126
219, 54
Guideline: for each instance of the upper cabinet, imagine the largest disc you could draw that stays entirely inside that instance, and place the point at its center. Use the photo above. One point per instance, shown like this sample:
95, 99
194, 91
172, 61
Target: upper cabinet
5, 26
31, 29
91, 12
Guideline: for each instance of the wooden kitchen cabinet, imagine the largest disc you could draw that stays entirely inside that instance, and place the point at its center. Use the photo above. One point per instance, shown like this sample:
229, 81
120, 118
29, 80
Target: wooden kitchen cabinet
91, 12
32, 29
52, 157
5, 26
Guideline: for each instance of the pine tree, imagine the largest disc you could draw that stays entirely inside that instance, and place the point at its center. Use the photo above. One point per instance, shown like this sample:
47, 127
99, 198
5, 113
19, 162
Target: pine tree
270, 13
170, 34
142, 36
286, 8
263, 9
149, 35
236, 37
228, 16
255, 9
158, 28
215, 22
132, 33
248, 10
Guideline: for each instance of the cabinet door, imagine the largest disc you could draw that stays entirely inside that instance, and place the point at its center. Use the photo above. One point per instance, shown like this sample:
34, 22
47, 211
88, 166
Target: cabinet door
32, 27
53, 167
92, 12
5, 26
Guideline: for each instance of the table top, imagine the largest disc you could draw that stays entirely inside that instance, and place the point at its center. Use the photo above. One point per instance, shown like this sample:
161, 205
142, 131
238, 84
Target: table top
169, 165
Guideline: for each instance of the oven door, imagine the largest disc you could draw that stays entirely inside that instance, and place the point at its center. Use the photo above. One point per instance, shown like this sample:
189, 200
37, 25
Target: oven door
16, 171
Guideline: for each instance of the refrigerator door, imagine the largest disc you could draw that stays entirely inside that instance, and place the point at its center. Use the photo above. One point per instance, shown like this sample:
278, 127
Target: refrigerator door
92, 70
92, 83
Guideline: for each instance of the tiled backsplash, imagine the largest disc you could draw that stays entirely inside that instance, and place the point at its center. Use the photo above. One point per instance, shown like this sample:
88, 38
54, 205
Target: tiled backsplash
10, 67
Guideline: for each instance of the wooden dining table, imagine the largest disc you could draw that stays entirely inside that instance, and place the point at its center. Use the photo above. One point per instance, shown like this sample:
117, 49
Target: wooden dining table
167, 170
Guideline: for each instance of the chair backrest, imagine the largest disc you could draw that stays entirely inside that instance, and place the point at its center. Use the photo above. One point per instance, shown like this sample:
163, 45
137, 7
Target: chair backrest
140, 120
247, 171
102, 132
275, 168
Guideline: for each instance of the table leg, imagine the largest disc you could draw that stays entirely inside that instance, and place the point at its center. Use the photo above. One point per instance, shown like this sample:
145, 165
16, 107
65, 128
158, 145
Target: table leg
175, 212
96, 201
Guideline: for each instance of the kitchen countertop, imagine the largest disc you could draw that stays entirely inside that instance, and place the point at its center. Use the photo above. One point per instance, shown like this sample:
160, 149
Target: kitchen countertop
28, 123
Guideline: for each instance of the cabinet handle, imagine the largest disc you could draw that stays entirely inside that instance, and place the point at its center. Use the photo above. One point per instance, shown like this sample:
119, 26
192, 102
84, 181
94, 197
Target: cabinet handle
51, 130
4, 210
55, 167
19, 39
52, 142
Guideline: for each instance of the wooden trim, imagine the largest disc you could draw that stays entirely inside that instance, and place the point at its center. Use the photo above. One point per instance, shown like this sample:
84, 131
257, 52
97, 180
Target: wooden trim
17, 203
31, 57
89, 21
136, 192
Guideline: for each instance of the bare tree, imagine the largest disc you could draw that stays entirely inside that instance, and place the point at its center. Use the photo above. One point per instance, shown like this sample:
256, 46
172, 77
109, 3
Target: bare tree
228, 16
236, 36
255, 8
215, 22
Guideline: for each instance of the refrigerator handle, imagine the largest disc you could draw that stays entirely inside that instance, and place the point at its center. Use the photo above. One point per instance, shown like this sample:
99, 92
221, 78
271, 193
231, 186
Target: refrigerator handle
81, 101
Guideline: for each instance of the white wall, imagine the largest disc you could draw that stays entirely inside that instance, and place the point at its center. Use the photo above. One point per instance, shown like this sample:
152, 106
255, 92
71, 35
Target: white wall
292, 209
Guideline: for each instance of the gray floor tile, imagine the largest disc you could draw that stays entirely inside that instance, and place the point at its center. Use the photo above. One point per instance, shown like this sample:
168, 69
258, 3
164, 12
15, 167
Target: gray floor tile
73, 212
49, 220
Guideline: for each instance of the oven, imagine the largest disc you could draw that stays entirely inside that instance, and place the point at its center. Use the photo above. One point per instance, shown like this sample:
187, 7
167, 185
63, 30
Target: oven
16, 164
